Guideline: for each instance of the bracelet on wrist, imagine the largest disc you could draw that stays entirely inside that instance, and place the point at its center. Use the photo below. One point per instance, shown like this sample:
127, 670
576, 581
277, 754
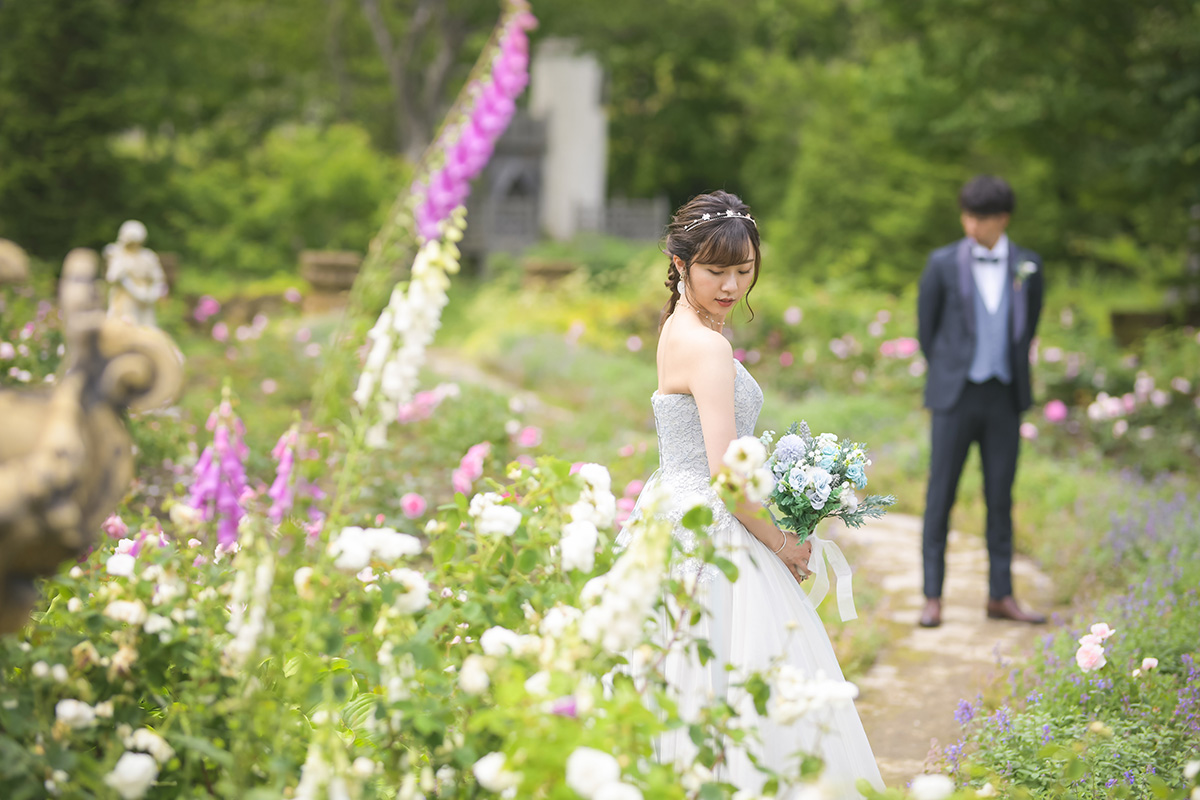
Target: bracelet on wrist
784, 544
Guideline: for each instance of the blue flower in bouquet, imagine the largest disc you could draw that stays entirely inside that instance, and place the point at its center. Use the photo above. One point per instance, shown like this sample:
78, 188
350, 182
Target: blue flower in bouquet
796, 479
820, 484
788, 451
826, 451
857, 474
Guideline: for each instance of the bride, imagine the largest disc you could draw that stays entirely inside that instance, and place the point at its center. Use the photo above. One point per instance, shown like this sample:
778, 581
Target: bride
705, 400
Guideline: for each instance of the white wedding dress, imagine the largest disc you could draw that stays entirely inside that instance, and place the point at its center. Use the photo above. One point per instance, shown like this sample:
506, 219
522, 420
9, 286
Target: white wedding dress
762, 618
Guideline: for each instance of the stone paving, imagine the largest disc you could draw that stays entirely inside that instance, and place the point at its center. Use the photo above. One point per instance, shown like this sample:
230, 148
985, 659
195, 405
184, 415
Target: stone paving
907, 699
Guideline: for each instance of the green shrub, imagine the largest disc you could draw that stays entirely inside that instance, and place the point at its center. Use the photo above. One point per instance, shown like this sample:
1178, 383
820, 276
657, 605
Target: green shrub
303, 188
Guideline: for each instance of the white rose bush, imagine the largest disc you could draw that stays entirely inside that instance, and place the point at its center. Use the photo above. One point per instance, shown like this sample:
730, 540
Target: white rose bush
480, 657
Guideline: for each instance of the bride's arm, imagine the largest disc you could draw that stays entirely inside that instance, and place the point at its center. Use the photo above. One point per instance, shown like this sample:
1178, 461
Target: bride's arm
710, 380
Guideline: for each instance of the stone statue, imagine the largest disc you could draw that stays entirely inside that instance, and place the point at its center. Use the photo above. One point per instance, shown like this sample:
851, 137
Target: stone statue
65, 457
135, 276
14, 264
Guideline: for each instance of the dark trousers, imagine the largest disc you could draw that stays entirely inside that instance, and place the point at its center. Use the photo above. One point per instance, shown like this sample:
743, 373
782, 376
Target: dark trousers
985, 413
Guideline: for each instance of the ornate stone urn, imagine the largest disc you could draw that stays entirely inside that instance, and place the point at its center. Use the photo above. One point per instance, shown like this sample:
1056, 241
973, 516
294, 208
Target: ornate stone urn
65, 455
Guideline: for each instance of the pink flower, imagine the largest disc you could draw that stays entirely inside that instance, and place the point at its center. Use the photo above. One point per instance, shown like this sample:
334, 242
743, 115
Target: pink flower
1029, 431
1089, 639
626, 451
303, 335
413, 505
1055, 411
1101, 631
529, 436
564, 706
461, 481
292, 295
205, 308
1149, 663
786, 359
793, 315
526, 460
624, 507
115, 527
907, 347
1090, 657
7, 351
312, 350
220, 332
739, 354
633, 343
269, 386
634, 488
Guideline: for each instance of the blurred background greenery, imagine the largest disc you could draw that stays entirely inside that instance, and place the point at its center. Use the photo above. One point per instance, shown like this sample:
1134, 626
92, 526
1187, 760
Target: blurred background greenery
242, 131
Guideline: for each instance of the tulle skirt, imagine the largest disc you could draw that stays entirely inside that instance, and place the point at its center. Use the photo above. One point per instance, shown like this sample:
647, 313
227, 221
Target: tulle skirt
762, 619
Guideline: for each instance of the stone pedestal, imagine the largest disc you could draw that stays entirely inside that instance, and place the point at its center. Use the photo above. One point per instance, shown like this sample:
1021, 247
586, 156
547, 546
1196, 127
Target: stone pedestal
330, 273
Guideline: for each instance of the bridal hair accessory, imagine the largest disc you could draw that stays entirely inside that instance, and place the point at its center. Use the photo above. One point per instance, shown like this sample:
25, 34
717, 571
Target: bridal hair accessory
729, 214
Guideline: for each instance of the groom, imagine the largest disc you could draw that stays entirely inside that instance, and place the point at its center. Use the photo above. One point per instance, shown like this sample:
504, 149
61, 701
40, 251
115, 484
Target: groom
977, 312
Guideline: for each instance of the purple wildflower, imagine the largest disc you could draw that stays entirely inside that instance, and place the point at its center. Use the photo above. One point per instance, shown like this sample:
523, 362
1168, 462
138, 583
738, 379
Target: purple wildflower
220, 475
964, 713
282, 491
467, 147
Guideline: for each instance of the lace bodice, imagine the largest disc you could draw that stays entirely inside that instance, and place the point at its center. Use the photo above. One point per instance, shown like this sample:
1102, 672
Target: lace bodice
680, 437
683, 461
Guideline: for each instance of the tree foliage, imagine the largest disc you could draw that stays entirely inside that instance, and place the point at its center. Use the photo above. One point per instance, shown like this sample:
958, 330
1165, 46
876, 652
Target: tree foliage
847, 124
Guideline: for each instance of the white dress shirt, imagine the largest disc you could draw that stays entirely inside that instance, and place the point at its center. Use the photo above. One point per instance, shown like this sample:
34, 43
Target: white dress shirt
990, 267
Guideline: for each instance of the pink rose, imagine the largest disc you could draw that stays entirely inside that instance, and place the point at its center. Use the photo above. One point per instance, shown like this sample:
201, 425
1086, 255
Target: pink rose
413, 505
460, 481
220, 332
115, 527
626, 451
1101, 631
1149, 664
529, 436
786, 359
907, 347
634, 488
1090, 657
1055, 411
1029, 431
1089, 639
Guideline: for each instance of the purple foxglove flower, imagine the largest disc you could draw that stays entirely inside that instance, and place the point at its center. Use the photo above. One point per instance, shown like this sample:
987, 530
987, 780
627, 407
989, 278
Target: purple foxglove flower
220, 476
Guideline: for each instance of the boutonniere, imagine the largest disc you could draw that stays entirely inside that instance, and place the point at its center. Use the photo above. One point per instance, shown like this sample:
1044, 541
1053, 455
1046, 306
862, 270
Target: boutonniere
1024, 270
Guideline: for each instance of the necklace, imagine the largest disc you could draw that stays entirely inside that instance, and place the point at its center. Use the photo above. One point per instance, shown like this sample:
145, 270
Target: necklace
715, 324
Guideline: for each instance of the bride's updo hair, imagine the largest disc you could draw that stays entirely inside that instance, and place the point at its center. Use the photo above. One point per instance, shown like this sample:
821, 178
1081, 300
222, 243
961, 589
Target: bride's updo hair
716, 229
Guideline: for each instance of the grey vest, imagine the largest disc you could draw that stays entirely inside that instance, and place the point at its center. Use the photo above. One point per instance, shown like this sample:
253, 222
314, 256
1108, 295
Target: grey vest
991, 340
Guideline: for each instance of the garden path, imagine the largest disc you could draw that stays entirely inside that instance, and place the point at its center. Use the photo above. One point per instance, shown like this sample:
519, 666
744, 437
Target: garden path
908, 697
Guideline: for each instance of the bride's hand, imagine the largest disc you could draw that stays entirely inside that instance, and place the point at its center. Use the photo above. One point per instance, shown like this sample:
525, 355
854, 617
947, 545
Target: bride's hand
796, 557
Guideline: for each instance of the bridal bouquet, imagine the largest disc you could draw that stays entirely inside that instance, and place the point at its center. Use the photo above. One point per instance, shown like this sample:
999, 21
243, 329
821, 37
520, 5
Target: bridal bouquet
816, 477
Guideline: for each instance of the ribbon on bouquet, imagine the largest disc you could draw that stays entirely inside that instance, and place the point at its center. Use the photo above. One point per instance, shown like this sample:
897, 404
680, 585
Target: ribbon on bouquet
824, 550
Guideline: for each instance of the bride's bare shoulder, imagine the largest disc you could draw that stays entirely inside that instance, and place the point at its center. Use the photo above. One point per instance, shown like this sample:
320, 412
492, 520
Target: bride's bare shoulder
699, 343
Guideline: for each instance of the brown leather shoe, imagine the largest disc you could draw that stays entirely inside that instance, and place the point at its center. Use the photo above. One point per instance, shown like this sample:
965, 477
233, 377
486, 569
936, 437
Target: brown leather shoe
931, 615
1007, 608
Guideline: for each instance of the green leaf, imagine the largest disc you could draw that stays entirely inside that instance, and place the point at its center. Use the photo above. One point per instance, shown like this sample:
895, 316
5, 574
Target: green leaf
528, 559
206, 748
727, 567
698, 518
760, 691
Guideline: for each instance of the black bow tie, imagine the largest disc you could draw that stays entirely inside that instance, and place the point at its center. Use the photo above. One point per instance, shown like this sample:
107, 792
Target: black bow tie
988, 259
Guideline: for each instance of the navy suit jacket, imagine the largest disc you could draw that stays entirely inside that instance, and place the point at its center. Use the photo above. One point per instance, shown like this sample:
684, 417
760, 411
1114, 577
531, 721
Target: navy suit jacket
946, 321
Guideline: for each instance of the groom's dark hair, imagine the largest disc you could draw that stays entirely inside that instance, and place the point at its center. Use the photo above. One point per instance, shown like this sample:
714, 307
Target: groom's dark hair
986, 196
